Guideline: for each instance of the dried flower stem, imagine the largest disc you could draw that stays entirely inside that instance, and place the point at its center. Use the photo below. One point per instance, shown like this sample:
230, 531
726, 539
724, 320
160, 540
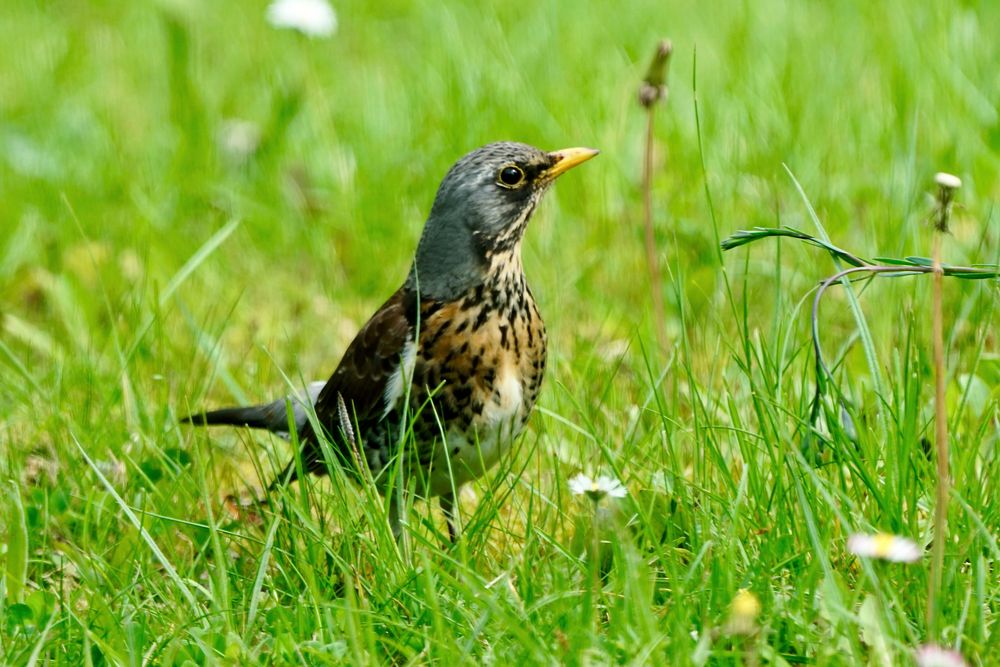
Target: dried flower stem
947, 184
652, 90
941, 441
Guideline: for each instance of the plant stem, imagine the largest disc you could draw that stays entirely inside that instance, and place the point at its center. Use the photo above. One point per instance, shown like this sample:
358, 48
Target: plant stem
947, 184
822, 371
941, 441
652, 90
595, 569
652, 260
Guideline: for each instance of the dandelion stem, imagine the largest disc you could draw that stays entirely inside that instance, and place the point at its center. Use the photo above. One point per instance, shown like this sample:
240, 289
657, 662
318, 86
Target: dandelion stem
941, 441
947, 184
945, 189
653, 89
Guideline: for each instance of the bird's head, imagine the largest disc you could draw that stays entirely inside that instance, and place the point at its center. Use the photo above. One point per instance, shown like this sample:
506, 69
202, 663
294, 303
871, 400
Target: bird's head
482, 209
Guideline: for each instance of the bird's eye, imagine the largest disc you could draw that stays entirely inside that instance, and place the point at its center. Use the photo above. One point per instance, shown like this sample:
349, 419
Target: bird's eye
510, 176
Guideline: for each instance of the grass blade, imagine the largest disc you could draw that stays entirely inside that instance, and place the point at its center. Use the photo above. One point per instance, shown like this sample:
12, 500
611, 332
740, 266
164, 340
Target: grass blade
16, 569
146, 537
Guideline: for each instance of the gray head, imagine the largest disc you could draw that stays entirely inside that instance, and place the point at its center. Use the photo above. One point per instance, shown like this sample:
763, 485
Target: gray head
481, 209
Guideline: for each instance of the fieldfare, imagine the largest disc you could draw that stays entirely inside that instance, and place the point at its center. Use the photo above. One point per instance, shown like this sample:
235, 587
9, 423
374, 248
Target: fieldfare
456, 355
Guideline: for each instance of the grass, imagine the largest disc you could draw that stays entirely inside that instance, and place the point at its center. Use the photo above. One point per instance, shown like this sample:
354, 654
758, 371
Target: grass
145, 271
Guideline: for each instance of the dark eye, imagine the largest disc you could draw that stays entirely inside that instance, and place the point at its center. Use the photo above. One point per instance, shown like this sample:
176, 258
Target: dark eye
510, 176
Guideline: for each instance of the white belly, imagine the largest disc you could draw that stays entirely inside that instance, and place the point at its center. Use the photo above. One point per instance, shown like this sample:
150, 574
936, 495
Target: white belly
461, 459
508, 401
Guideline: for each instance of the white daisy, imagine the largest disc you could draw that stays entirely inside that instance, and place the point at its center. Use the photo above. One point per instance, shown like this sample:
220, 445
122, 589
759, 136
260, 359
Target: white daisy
884, 546
930, 655
314, 18
595, 489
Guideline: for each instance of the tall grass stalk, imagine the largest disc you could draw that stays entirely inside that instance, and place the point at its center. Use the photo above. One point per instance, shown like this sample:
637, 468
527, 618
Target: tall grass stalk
652, 90
947, 184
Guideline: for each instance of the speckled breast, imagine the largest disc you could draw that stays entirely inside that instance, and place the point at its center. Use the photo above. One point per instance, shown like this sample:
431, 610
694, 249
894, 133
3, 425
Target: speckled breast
480, 360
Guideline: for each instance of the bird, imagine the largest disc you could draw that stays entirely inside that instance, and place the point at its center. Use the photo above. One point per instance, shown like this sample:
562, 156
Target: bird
455, 356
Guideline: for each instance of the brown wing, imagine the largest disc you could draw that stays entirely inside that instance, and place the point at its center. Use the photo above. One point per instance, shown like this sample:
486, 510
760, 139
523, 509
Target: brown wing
367, 366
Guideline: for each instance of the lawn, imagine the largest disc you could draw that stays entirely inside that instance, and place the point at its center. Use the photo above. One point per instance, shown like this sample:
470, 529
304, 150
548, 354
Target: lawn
198, 208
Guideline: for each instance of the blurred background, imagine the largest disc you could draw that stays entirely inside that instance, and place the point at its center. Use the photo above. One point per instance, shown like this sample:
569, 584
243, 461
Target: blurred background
130, 133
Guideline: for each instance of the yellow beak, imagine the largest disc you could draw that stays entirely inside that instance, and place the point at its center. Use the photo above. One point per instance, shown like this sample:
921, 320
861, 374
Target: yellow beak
565, 159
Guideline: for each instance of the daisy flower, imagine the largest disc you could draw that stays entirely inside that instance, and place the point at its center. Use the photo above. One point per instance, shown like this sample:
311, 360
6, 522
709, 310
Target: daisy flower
884, 546
930, 655
596, 489
314, 18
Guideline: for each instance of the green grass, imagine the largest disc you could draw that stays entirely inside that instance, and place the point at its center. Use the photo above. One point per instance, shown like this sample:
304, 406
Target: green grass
144, 272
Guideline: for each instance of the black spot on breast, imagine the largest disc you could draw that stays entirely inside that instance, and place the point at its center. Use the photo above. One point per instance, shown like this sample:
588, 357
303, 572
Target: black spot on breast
433, 335
449, 409
461, 393
432, 307
496, 296
474, 299
433, 376
481, 318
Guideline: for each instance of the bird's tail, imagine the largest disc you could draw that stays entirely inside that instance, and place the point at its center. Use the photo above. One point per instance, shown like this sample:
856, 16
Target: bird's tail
271, 416
255, 416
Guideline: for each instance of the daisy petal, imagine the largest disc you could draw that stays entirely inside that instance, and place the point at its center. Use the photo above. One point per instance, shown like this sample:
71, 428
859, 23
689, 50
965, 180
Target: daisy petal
580, 484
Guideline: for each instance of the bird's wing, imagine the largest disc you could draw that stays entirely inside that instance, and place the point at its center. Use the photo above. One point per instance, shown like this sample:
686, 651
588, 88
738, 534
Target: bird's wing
365, 371
369, 363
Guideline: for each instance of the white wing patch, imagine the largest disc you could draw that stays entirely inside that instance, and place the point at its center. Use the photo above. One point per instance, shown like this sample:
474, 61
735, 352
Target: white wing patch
395, 389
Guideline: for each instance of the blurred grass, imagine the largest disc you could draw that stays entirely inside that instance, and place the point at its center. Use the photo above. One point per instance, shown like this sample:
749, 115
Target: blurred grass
114, 173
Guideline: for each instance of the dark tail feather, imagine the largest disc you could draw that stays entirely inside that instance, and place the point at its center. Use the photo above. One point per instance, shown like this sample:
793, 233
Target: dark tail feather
257, 416
271, 416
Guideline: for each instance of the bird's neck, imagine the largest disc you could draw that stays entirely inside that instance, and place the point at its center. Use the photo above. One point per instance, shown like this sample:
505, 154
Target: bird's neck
505, 275
450, 263
506, 262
